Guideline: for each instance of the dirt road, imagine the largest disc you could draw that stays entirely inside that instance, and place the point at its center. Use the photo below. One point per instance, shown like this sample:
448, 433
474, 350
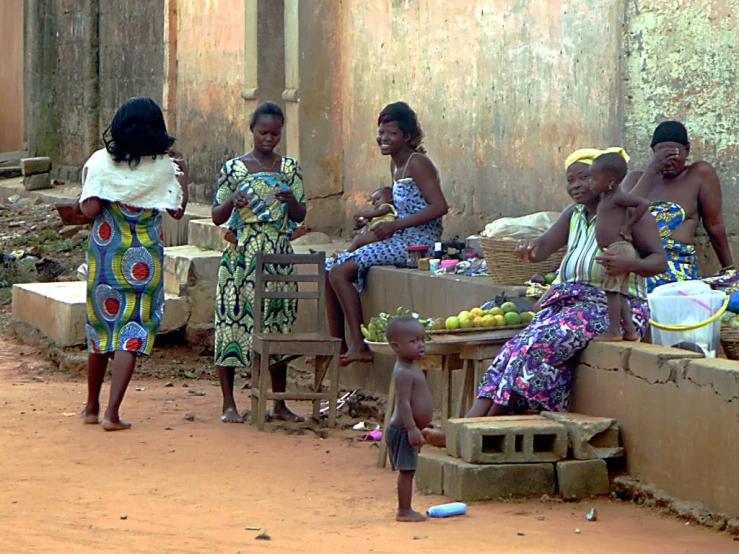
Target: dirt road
194, 486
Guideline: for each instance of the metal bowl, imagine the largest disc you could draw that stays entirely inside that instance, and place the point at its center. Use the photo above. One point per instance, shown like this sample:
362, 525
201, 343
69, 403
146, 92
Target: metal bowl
432, 348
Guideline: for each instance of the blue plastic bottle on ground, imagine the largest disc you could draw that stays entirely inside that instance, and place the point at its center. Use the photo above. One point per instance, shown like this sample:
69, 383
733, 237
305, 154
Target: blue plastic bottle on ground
447, 510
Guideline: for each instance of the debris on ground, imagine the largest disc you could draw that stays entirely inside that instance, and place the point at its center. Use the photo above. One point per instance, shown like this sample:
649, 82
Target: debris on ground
592, 515
263, 537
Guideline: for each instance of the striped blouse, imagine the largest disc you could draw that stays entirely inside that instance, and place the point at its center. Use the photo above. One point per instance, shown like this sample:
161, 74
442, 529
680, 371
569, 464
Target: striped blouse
579, 265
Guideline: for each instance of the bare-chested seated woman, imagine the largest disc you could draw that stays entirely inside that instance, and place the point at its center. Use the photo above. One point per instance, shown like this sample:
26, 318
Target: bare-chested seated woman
420, 204
682, 196
534, 370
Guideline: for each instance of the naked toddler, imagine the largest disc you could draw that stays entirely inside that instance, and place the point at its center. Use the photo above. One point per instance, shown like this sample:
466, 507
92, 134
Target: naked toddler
413, 410
613, 230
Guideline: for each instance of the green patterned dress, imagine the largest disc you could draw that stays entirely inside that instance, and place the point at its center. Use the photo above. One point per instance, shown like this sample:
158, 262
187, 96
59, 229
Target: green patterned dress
262, 226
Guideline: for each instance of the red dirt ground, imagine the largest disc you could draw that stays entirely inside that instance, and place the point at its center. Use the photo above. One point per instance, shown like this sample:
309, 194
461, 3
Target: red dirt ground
193, 487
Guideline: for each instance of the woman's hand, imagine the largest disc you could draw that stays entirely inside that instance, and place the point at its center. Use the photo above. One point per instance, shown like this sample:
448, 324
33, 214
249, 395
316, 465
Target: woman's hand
286, 196
179, 159
527, 249
615, 264
661, 158
386, 229
240, 199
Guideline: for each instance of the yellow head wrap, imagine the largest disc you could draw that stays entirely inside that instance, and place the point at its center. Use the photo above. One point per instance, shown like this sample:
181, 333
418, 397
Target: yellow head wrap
588, 155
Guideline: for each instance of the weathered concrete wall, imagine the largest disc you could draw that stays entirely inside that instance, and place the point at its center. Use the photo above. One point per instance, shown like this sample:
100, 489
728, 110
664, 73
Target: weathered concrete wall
61, 61
131, 54
210, 73
679, 417
504, 90
11, 75
680, 63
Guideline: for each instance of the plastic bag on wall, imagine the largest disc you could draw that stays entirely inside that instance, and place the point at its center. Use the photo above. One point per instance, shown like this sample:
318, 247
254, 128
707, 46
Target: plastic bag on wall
517, 228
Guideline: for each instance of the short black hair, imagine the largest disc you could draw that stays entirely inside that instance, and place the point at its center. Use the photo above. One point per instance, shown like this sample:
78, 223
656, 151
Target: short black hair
613, 165
397, 324
384, 190
670, 131
266, 109
407, 120
137, 130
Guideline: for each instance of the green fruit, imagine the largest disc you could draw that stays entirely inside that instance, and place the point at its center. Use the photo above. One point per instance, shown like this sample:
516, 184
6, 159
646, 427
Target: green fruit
488, 321
439, 325
452, 323
526, 318
734, 323
512, 318
466, 323
508, 307
549, 278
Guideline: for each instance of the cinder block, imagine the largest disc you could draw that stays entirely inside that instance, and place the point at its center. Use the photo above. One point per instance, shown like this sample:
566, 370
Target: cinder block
582, 478
35, 166
39, 181
467, 482
430, 472
453, 427
589, 437
10, 172
513, 441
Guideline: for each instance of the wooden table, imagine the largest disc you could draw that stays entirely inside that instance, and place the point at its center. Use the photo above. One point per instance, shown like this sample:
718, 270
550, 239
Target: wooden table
447, 353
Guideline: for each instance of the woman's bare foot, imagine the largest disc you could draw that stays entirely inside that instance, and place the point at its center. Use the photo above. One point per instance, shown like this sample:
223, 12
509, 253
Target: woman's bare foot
409, 516
90, 416
363, 356
231, 415
631, 336
115, 425
434, 437
283, 413
609, 337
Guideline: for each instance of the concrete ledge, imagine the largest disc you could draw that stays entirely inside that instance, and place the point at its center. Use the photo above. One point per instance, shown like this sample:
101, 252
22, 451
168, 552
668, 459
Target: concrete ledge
678, 415
59, 310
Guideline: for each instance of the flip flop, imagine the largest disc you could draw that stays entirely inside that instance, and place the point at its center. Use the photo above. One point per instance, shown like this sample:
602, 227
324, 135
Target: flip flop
372, 436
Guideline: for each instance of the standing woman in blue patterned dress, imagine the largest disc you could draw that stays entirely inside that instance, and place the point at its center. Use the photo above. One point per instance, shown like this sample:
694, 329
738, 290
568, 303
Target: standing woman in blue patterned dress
420, 203
260, 195
124, 188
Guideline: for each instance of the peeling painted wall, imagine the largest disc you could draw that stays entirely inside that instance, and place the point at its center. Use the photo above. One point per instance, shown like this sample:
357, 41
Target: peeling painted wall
680, 62
210, 73
11, 75
504, 90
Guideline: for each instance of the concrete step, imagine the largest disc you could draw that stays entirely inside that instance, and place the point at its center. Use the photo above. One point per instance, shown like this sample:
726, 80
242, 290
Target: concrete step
203, 233
192, 272
59, 310
176, 232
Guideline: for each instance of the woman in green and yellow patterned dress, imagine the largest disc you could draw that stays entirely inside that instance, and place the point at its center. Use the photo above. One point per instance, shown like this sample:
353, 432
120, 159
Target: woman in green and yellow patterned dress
260, 195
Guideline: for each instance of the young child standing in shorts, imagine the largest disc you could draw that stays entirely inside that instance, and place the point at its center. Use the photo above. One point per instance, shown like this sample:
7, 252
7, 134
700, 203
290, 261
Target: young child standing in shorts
413, 410
613, 229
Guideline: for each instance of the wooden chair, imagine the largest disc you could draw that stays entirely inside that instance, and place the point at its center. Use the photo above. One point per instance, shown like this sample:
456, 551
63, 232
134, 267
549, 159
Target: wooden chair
325, 348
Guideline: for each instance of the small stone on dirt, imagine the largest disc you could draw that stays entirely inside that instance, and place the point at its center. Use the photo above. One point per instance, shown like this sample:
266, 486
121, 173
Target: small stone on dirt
124, 517
196, 393
540, 518
263, 537
420, 537
169, 384
521, 534
169, 428
577, 531
544, 498
189, 417
253, 528
592, 515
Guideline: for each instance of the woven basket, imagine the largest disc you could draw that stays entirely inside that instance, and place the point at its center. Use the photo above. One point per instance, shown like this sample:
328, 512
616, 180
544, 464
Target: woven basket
730, 342
507, 269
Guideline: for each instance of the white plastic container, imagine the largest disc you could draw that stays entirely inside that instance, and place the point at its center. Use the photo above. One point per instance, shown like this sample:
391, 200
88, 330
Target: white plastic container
687, 303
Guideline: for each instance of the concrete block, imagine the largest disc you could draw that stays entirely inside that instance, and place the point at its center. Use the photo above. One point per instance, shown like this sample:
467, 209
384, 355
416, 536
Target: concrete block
453, 427
177, 231
35, 166
607, 355
188, 266
430, 472
176, 313
468, 482
58, 310
204, 234
10, 172
651, 362
38, 181
582, 478
201, 335
513, 441
589, 437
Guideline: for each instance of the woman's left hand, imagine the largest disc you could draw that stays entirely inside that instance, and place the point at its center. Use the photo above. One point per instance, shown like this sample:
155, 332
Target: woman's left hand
179, 160
286, 196
615, 264
385, 230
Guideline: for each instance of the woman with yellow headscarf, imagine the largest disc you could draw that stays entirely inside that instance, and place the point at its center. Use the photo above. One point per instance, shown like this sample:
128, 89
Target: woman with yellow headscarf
534, 370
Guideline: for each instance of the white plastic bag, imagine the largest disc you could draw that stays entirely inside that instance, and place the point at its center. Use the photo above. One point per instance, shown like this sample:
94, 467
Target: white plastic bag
517, 228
